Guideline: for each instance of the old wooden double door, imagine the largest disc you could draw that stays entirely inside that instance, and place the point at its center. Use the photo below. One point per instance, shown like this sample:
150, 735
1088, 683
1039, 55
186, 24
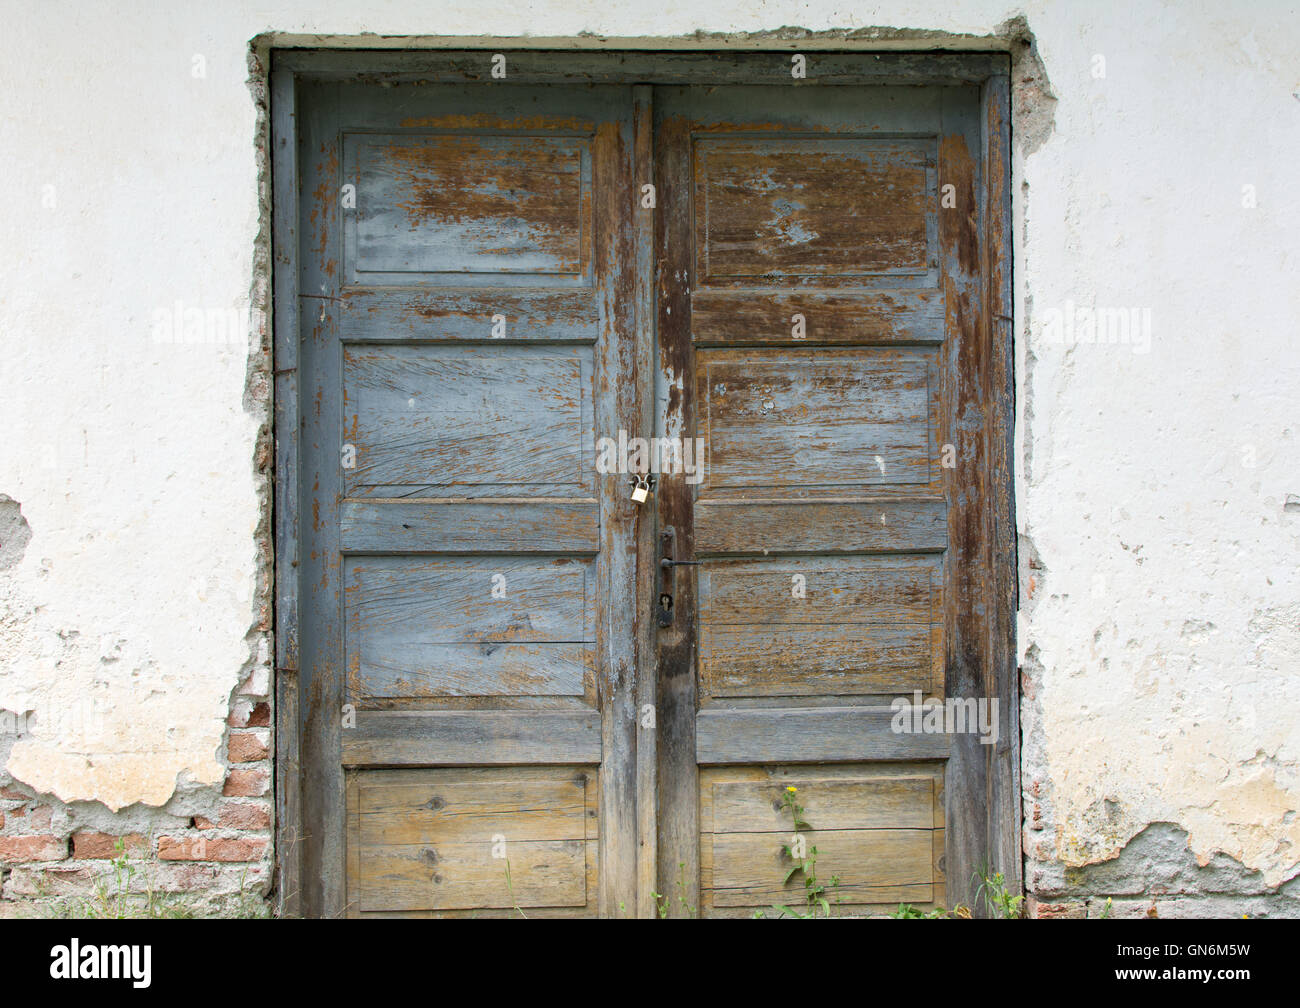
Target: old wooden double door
523, 691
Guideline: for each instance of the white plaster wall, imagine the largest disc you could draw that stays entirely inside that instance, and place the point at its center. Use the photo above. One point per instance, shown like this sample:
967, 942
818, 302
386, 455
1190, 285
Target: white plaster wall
1162, 634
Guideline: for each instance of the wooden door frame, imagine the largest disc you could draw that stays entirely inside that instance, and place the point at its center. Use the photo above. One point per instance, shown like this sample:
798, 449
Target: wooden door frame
995, 770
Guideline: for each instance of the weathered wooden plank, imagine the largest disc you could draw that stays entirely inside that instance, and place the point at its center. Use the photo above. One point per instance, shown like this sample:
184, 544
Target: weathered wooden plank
794, 209
678, 852
828, 804
567, 66
460, 626
1005, 816
469, 738
820, 627
472, 600
967, 482
449, 876
851, 590
737, 800
619, 408
396, 107
500, 315
810, 735
444, 420
423, 526
781, 418
352, 868
810, 660
411, 668
285, 324
468, 204
873, 865
441, 811
473, 820
723, 317
836, 527
320, 488
644, 367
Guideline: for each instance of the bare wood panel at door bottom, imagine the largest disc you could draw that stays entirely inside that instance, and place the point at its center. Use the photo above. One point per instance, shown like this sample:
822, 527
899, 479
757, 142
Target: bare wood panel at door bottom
879, 829
473, 841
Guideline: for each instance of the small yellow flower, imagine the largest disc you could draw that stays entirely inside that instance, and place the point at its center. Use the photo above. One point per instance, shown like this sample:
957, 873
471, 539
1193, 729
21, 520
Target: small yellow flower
792, 789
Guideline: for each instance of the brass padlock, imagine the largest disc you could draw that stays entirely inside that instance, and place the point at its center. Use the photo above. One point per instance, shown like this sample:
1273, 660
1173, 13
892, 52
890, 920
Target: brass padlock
641, 487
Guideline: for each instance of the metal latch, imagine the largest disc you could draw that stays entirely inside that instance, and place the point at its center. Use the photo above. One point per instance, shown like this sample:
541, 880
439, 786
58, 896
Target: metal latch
668, 561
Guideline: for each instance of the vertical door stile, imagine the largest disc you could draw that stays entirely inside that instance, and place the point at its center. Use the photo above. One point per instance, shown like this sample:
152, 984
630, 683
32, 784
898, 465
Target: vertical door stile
321, 681
1005, 815
288, 530
618, 406
964, 425
678, 790
643, 377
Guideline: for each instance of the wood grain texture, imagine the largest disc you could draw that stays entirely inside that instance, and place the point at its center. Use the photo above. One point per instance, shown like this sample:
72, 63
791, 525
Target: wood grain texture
466, 627
815, 207
677, 795
284, 254
643, 302
828, 804
855, 590
469, 204
1005, 815
799, 627
966, 405
833, 527
320, 697
786, 661
499, 526
809, 735
434, 840
470, 738
779, 419
874, 829
448, 421
724, 317
501, 315
879, 866
619, 403
473, 443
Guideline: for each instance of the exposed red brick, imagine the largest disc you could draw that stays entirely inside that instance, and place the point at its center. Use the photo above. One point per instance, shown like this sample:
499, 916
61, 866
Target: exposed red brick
246, 747
12, 792
246, 784
239, 815
202, 823
243, 716
86, 844
1061, 911
202, 848
33, 817
42, 847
